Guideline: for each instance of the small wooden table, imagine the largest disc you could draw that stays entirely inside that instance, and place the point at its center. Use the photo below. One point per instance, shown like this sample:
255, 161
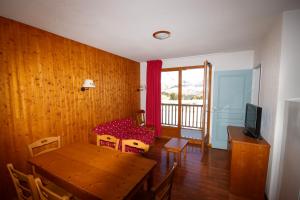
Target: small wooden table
92, 172
176, 145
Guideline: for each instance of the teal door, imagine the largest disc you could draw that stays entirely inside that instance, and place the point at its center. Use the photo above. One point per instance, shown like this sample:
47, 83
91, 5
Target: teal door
232, 90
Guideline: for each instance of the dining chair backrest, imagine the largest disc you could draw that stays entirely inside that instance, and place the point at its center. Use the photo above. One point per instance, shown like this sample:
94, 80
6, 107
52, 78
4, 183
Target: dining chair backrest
136, 144
141, 121
163, 190
24, 184
140, 118
47, 194
108, 141
44, 145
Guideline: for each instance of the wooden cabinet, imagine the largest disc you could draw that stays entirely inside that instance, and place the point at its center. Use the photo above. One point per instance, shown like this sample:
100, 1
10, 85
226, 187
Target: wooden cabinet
248, 163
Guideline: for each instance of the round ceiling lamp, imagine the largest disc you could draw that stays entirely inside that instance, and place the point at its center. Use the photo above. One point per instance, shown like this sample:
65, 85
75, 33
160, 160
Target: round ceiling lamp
161, 35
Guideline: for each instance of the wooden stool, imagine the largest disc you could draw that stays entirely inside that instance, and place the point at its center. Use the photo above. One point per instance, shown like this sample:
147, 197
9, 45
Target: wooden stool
176, 145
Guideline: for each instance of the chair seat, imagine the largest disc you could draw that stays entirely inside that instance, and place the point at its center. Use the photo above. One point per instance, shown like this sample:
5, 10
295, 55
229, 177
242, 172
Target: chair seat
149, 127
58, 190
160, 192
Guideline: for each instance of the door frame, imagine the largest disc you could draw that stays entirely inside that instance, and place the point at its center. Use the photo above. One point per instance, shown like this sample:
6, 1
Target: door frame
168, 131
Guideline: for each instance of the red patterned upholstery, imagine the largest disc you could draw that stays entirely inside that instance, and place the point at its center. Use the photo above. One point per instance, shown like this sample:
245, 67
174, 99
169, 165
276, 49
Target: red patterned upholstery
125, 129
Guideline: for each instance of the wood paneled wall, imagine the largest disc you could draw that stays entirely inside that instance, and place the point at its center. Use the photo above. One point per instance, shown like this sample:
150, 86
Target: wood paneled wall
40, 79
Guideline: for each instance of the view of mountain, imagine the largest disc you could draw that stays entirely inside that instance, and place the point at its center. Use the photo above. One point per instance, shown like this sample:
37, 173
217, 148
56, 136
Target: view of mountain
192, 84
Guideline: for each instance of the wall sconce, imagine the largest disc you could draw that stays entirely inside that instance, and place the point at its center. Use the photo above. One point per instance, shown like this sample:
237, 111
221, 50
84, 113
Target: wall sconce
88, 83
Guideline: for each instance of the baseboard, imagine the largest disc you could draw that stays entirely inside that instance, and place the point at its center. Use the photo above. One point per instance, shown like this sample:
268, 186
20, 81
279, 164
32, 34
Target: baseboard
191, 141
266, 197
163, 137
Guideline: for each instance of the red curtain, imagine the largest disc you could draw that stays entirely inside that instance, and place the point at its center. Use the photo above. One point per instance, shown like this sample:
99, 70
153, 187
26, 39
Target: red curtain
153, 98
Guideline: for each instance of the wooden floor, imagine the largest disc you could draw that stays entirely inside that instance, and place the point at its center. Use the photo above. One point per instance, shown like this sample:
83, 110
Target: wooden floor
191, 133
201, 176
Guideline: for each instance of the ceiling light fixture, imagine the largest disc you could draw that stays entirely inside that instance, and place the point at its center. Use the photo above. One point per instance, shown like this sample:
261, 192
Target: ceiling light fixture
161, 35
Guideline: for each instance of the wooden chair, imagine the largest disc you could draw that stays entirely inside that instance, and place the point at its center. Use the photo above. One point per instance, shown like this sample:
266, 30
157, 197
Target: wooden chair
162, 191
135, 144
47, 194
141, 121
24, 184
42, 146
140, 118
39, 144
109, 139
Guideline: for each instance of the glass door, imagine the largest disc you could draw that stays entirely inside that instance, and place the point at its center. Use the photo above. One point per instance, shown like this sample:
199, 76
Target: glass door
170, 104
192, 103
185, 102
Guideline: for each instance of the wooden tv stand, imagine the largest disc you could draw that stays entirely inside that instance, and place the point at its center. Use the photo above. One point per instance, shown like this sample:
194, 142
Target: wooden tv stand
248, 163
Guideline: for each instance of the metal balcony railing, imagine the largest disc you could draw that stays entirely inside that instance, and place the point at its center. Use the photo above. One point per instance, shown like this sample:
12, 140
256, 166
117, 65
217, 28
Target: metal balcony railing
191, 115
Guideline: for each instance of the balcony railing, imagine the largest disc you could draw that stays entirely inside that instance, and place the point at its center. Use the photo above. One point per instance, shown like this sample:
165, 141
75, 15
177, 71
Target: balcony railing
191, 116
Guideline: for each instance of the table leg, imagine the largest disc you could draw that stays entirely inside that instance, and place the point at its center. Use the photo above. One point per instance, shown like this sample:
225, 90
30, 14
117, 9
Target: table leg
174, 157
179, 158
185, 152
150, 180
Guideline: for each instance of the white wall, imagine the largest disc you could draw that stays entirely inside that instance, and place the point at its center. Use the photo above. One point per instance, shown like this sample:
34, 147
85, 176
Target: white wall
268, 54
143, 82
289, 83
219, 61
279, 57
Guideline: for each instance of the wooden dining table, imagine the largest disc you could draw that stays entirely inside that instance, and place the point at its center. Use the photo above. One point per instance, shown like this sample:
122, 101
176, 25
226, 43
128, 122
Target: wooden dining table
92, 172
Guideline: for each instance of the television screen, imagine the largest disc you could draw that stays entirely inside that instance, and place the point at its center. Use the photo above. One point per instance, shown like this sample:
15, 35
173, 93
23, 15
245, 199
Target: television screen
251, 117
253, 120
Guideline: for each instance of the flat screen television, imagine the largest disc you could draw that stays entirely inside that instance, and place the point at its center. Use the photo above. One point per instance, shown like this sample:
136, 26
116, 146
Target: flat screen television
253, 120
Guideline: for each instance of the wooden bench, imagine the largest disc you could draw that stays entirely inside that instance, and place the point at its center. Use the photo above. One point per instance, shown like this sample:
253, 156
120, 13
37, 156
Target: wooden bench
176, 145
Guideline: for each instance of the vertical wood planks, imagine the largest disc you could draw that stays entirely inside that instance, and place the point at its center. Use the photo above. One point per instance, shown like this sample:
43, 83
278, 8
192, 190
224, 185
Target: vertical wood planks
40, 79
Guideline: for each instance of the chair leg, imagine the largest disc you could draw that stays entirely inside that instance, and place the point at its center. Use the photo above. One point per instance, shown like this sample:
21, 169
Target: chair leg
34, 172
168, 157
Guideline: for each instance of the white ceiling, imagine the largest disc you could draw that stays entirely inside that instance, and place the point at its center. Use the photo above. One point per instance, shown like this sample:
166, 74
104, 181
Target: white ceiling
125, 27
